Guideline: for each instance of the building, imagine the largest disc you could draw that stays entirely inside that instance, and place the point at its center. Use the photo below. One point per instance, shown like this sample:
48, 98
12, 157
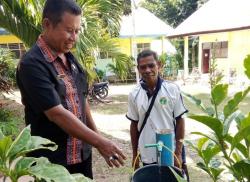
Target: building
222, 28
141, 30
11, 42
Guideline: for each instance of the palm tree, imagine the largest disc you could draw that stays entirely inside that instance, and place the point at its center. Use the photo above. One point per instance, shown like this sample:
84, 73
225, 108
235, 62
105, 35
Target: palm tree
101, 18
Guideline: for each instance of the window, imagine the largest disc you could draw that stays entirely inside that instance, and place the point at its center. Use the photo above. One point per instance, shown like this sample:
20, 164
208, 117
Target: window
142, 46
16, 48
218, 49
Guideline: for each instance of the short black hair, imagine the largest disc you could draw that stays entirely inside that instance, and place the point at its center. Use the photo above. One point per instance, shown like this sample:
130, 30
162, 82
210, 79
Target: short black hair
54, 9
146, 53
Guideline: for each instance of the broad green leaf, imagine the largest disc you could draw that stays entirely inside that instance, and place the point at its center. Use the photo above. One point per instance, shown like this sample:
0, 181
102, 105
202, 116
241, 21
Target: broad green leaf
201, 142
216, 172
229, 120
237, 157
245, 122
239, 146
247, 66
232, 104
23, 165
178, 177
202, 166
214, 124
244, 133
5, 144
208, 110
81, 178
50, 172
242, 167
219, 93
37, 142
19, 143
210, 152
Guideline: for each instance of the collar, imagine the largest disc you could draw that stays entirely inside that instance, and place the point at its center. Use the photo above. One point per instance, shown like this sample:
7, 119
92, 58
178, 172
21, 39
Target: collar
145, 87
48, 53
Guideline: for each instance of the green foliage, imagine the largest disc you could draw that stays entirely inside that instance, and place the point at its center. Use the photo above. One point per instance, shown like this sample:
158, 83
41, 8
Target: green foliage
7, 70
222, 150
122, 66
99, 18
170, 65
9, 123
173, 12
14, 164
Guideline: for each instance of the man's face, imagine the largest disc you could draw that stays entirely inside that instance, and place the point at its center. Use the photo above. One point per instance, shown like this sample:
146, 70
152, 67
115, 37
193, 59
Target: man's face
62, 36
148, 68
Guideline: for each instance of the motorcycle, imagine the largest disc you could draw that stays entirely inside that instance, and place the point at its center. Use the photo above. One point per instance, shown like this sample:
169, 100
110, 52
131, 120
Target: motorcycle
99, 91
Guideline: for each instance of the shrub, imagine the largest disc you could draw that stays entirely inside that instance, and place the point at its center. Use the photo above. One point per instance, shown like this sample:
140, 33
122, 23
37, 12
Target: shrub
223, 151
14, 164
7, 70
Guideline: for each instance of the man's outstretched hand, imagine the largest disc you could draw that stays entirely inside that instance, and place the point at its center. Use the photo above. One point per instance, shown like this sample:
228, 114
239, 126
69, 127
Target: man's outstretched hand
111, 153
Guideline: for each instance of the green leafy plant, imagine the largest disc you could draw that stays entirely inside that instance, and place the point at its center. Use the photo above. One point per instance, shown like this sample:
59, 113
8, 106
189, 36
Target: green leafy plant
170, 65
7, 70
222, 150
122, 66
14, 164
9, 123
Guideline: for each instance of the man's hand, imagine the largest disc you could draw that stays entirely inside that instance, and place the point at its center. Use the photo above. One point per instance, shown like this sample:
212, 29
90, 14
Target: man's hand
111, 153
135, 164
178, 160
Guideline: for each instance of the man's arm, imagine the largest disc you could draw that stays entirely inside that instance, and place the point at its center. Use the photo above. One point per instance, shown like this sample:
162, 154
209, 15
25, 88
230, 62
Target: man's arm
134, 134
179, 136
74, 127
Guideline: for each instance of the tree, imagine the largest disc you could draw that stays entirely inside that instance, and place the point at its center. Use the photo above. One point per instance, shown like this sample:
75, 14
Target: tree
22, 18
173, 12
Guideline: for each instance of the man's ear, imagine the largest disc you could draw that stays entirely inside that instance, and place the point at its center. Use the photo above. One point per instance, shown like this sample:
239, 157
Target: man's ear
46, 23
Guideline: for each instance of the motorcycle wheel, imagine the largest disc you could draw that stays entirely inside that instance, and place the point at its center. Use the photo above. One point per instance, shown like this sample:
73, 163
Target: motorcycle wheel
103, 93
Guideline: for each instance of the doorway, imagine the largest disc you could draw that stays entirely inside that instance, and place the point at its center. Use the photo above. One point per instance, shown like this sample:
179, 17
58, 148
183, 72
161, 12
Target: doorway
205, 60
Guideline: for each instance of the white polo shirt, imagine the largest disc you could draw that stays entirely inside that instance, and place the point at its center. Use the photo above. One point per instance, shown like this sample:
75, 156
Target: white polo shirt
167, 106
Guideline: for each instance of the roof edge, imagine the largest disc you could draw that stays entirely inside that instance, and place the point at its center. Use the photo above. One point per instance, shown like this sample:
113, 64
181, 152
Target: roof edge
209, 31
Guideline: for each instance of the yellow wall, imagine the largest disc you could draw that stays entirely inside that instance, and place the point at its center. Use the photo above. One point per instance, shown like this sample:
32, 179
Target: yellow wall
238, 48
125, 43
4, 39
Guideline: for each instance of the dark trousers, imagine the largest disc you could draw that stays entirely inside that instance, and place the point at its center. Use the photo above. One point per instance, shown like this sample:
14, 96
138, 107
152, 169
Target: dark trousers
84, 168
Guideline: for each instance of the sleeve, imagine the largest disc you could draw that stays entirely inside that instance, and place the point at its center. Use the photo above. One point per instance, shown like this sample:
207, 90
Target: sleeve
132, 113
179, 107
37, 88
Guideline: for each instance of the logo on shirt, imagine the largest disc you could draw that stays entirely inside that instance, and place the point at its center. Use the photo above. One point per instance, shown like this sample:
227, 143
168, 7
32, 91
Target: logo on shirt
163, 101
